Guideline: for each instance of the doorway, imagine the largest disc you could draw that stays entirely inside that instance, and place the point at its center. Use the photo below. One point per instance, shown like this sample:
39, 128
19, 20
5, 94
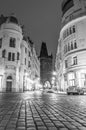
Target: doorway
9, 84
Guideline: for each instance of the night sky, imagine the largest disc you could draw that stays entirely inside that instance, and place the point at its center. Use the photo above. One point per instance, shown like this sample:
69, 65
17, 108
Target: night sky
41, 18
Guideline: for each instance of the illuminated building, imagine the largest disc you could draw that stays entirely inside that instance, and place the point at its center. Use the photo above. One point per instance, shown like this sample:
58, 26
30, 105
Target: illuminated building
30, 66
71, 51
16, 57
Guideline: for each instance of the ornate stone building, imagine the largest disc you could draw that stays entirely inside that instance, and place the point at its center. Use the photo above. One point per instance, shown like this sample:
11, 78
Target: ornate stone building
17, 57
71, 51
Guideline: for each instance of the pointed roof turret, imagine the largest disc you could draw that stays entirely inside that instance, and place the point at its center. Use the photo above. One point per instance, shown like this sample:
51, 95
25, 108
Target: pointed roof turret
2, 19
43, 52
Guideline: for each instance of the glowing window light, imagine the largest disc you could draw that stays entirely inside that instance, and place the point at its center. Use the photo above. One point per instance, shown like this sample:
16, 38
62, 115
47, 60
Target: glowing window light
30, 80
71, 76
53, 78
54, 73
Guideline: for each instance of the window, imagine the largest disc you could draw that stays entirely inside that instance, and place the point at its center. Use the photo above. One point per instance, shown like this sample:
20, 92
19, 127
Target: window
12, 42
68, 46
75, 44
71, 79
71, 76
66, 64
17, 55
71, 45
3, 53
0, 42
9, 56
70, 30
25, 61
64, 49
29, 64
29, 53
73, 28
13, 56
25, 50
75, 60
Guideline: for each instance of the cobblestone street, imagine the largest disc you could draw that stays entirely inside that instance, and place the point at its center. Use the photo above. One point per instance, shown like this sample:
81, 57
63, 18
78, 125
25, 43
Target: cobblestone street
38, 111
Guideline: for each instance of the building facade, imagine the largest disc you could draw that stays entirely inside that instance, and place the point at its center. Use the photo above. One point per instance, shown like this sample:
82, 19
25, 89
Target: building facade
15, 57
30, 65
45, 65
71, 51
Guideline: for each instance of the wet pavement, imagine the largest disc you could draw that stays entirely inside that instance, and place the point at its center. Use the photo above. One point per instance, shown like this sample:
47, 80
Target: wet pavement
42, 111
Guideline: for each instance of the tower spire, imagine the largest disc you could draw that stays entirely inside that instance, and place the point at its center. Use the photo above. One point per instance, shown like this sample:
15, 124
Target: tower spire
43, 52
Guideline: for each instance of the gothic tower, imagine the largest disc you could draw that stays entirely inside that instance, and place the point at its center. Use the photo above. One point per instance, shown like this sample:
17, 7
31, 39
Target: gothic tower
45, 64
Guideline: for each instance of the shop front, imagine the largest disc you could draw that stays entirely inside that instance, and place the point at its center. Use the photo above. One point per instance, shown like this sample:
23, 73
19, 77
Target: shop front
77, 78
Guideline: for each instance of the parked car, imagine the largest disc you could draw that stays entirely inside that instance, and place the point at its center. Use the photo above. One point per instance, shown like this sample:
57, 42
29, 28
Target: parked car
48, 90
75, 90
84, 89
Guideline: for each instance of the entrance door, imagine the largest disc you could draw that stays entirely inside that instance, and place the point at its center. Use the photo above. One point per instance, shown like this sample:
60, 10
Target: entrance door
9, 86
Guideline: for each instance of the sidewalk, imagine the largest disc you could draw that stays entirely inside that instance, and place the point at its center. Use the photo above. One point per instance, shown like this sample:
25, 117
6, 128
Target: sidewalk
53, 91
60, 92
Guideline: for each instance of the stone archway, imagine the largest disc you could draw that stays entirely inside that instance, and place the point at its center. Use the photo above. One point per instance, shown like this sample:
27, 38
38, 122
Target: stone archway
9, 84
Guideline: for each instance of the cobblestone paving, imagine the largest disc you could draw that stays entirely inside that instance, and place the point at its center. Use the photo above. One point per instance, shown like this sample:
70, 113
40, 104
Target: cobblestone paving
38, 111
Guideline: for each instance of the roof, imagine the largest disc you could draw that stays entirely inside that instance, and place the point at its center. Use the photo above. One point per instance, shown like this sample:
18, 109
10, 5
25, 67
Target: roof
43, 51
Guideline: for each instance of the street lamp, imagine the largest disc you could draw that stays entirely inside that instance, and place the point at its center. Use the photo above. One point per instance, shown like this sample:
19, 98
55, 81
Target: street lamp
54, 73
53, 81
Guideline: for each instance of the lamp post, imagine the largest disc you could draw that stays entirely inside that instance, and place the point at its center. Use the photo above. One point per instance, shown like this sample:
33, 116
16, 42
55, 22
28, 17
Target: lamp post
53, 80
